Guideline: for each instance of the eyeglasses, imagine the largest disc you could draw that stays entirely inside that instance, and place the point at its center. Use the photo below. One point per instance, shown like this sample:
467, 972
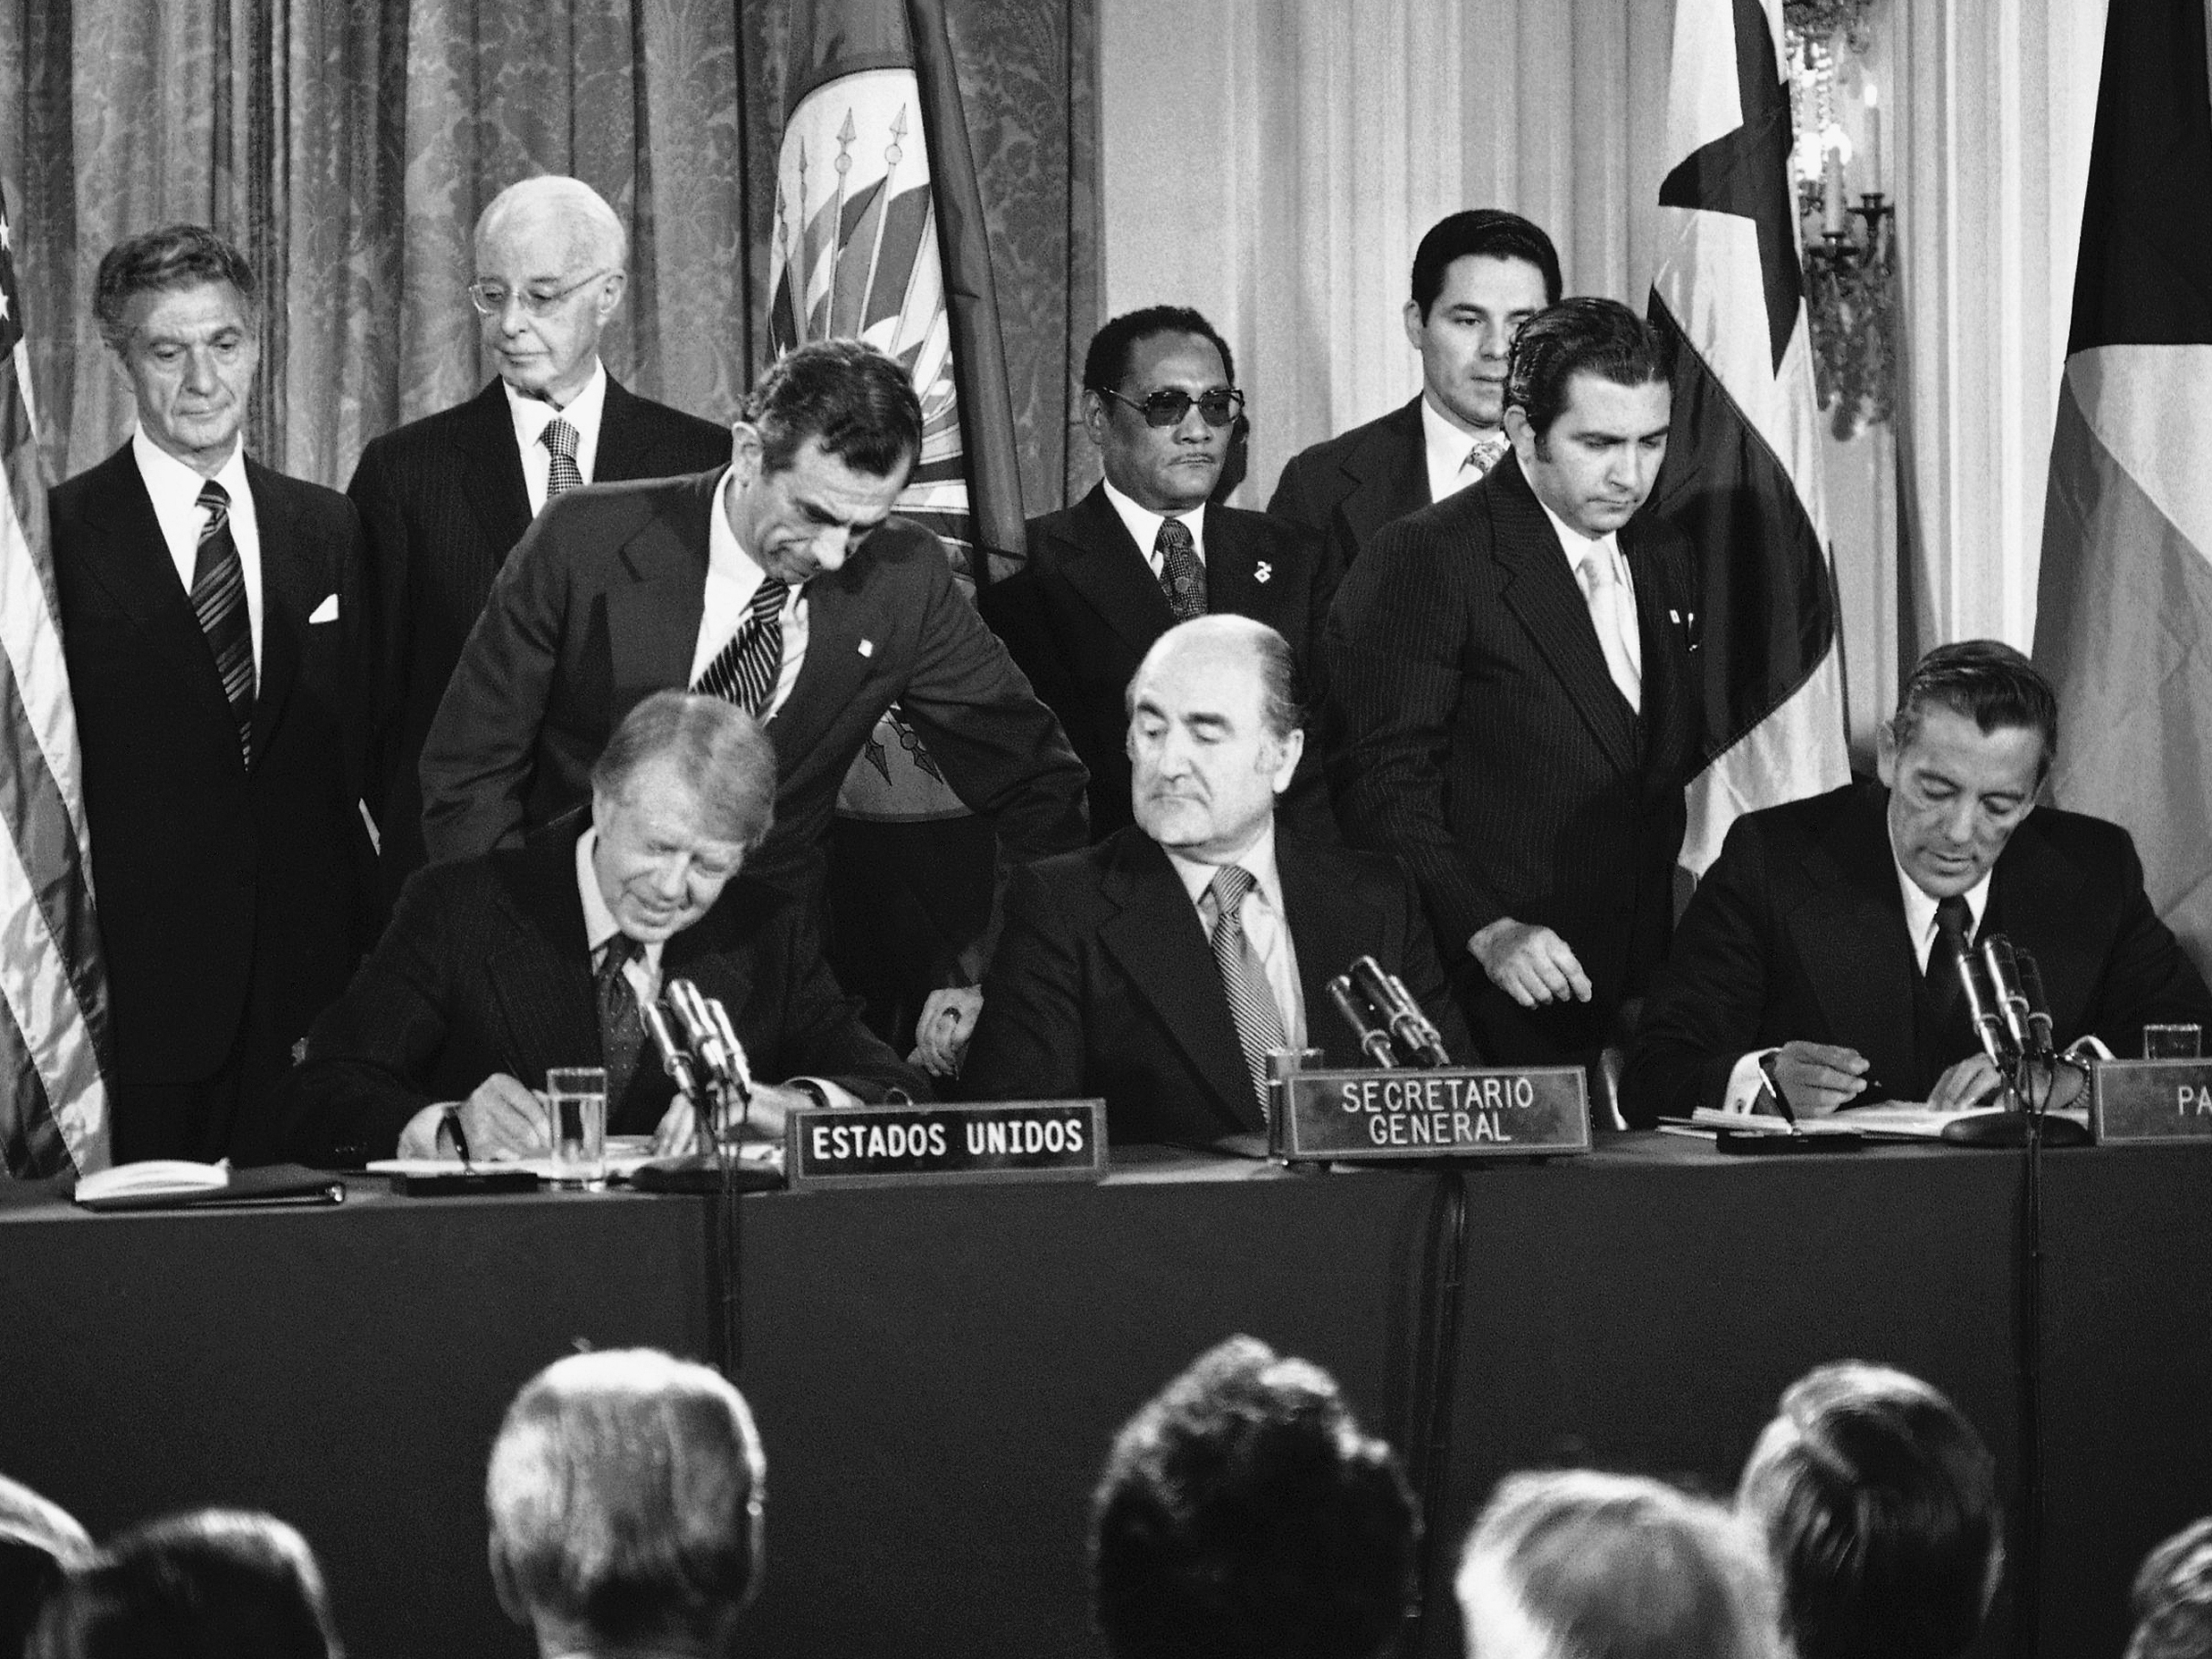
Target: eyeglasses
491, 298
1168, 406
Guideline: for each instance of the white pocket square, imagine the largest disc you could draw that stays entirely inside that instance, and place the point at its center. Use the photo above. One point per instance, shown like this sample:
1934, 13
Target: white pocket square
325, 612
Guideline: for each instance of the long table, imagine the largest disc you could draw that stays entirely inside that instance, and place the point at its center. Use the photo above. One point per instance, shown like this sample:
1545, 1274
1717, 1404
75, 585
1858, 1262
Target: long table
937, 1372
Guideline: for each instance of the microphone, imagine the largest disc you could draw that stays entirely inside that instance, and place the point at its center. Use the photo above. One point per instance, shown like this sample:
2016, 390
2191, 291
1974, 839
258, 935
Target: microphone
1997, 954
701, 1033
1987, 1026
2045, 1045
1374, 1041
675, 1060
1411, 1027
741, 1068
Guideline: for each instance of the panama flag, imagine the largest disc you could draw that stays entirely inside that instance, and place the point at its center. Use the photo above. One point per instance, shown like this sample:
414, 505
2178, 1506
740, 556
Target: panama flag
53, 988
879, 236
2123, 607
1742, 476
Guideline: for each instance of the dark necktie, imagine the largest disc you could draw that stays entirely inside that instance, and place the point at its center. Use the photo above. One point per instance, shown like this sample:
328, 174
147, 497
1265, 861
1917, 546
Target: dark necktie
219, 600
1953, 918
622, 1027
1182, 575
1252, 1000
744, 670
560, 438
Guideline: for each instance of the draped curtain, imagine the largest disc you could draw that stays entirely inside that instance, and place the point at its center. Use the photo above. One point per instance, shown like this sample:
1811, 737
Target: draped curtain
348, 145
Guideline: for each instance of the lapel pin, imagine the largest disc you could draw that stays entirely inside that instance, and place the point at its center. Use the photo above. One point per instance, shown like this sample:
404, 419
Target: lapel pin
1674, 615
1262, 571
867, 648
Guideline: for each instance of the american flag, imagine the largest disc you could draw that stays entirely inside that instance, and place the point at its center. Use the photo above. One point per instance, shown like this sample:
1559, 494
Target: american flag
53, 987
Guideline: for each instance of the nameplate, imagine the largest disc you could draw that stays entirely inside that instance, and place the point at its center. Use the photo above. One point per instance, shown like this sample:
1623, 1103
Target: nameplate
1462, 1113
2153, 1100
945, 1146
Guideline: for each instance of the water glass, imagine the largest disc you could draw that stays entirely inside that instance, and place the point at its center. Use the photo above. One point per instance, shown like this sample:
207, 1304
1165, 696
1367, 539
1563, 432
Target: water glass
575, 1106
2172, 1042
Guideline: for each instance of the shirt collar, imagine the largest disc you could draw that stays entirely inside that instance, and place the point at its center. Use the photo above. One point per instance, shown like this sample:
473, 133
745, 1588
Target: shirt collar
1257, 860
727, 557
1576, 546
1144, 525
534, 414
1920, 908
600, 925
167, 477
1449, 444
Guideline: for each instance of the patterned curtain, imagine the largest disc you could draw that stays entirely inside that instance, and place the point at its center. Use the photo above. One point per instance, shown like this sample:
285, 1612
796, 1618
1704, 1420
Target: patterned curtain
348, 145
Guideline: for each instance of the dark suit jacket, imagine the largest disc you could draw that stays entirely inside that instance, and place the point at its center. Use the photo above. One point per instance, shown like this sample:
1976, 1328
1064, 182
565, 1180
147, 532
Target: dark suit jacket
1485, 744
1080, 616
442, 500
485, 968
213, 877
1105, 984
1798, 931
599, 607
1349, 486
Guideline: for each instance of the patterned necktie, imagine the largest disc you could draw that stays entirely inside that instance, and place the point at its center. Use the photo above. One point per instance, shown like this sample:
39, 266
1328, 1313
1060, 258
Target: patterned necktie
744, 670
560, 438
622, 1027
1953, 917
1607, 600
1487, 454
1252, 1000
219, 600
1182, 575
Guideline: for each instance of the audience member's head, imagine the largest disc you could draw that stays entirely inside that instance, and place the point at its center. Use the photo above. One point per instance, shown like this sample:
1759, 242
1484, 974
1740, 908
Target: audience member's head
1159, 400
1244, 1514
40, 1541
1577, 1565
215, 1581
1477, 277
627, 1492
2173, 1597
550, 256
1878, 1503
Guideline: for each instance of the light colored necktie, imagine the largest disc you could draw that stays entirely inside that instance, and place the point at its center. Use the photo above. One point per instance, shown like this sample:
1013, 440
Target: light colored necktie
1485, 454
1613, 612
1252, 1000
560, 438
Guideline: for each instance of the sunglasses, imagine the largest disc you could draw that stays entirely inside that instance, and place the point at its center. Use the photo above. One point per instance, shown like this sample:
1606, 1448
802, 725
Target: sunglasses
1168, 408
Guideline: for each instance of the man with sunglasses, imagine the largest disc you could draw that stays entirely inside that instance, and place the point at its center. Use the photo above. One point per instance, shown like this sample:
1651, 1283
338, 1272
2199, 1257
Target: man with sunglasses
445, 498
1146, 548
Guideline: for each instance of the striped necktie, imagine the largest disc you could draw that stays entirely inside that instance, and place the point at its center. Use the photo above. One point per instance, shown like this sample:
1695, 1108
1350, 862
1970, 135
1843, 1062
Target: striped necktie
1182, 573
744, 671
219, 601
560, 438
1252, 1000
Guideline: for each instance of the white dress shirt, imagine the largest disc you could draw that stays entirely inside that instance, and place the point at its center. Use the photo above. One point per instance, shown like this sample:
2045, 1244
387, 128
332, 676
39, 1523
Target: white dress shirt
731, 580
174, 489
1449, 448
532, 416
1143, 527
1612, 606
1266, 924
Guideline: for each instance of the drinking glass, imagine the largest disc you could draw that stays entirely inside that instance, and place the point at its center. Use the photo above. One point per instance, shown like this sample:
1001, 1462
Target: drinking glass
575, 1107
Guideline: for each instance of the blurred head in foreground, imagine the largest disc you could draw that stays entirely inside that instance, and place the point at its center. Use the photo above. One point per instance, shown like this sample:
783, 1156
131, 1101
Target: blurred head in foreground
627, 1492
1878, 1503
40, 1541
1577, 1565
212, 1582
2173, 1597
1242, 1514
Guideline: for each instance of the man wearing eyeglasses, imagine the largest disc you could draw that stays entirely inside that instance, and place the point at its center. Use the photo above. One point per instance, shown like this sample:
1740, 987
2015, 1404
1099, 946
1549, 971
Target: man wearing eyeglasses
445, 498
1146, 549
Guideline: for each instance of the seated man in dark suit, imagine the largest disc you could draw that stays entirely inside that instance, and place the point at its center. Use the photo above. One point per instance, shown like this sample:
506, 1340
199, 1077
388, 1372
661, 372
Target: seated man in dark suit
1159, 967
496, 967
1478, 276
1146, 549
1818, 956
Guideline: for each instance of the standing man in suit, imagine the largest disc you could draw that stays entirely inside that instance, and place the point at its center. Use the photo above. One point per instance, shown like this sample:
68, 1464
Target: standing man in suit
1478, 276
782, 583
1512, 668
1820, 954
496, 968
1146, 549
1159, 967
443, 498
210, 660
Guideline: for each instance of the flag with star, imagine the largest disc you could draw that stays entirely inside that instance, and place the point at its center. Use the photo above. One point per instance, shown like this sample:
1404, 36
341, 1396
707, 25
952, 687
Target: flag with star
53, 1015
2123, 601
1742, 475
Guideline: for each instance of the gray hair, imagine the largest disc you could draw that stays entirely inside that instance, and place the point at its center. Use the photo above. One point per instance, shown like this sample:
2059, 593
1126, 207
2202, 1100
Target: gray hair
175, 256
717, 745
581, 210
1273, 662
